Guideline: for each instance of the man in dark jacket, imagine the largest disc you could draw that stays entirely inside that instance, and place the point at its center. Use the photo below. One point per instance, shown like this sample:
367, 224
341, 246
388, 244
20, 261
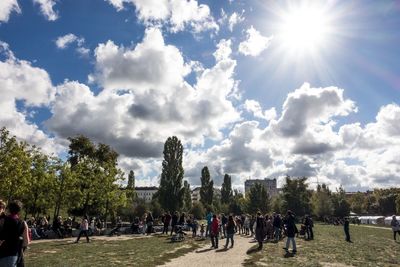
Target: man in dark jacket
308, 222
291, 231
224, 221
166, 221
260, 229
346, 227
174, 221
277, 226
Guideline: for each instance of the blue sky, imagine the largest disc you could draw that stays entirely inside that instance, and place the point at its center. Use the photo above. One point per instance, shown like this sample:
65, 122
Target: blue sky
253, 88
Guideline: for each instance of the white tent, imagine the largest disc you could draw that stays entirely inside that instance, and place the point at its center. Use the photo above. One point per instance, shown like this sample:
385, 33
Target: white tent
372, 219
389, 219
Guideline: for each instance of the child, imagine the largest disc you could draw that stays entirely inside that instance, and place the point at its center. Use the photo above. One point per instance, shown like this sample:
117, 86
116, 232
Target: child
202, 230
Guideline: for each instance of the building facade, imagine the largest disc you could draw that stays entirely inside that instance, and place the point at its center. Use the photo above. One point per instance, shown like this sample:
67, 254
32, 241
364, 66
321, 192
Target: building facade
269, 185
146, 192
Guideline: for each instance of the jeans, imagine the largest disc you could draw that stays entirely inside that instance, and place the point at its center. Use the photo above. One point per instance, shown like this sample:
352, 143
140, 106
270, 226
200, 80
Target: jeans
310, 233
277, 233
293, 243
85, 232
229, 236
208, 230
346, 231
394, 234
214, 240
10, 261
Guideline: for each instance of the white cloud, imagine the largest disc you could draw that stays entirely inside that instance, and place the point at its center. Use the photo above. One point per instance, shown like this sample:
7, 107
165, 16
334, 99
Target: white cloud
254, 107
6, 7
20, 81
65, 41
46, 7
234, 19
178, 14
145, 98
255, 43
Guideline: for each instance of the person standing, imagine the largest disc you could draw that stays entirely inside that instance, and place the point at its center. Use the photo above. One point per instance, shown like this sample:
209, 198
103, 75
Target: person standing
209, 218
174, 222
84, 229
260, 230
167, 220
14, 236
346, 227
214, 231
230, 231
308, 222
149, 223
277, 222
224, 221
395, 227
291, 232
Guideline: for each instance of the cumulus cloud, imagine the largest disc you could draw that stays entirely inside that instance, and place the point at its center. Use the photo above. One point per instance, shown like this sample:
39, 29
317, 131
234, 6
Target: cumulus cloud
234, 19
254, 107
46, 8
145, 98
255, 43
178, 14
20, 81
6, 8
63, 42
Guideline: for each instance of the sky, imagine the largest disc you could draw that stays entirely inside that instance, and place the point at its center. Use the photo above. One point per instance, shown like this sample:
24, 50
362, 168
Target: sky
255, 88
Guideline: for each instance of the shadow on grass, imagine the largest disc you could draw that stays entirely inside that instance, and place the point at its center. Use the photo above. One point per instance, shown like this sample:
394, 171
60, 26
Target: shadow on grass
253, 250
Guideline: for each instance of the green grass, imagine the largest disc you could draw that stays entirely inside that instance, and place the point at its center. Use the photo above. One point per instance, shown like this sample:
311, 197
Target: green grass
150, 251
371, 247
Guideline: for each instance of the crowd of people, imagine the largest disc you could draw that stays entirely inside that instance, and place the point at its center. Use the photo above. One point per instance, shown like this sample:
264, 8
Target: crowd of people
15, 233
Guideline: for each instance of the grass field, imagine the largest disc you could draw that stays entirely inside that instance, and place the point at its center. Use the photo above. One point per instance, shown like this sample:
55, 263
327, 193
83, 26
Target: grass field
370, 247
138, 251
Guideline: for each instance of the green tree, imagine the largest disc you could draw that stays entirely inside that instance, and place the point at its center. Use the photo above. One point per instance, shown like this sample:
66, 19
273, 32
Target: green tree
257, 199
198, 210
187, 199
130, 188
171, 192
15, 166
226, 190
277, 204
296, 196
341, 207
238, 203
207, 188
356, 203
321, 202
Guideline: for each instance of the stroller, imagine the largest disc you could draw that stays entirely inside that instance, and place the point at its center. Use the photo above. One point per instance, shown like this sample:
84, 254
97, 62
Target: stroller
180, 234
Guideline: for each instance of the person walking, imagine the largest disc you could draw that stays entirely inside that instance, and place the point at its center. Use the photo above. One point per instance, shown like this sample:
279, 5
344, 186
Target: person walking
260, 230
214, 231
277, 222
209, 218
230, 231
174, 222
346, 227
84, 229
291, 232
395, 226
224, 221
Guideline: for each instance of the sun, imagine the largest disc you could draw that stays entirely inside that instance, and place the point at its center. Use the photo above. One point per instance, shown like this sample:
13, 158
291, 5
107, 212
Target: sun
304, 29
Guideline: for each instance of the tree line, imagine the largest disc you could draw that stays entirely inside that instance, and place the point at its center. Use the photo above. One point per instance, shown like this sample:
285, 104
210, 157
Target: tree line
89, 182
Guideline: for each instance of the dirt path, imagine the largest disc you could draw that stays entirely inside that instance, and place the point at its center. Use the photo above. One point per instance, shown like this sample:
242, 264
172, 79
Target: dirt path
93, 238
205, 256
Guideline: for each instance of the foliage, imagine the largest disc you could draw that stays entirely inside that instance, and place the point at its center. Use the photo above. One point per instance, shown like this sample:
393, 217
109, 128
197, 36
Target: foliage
257, 199
198, 210
296, 196
237, 204
277, 204
226, 189
187, 198
356, 203
130, 187
207, 188
341, 206
171, 191
321, 202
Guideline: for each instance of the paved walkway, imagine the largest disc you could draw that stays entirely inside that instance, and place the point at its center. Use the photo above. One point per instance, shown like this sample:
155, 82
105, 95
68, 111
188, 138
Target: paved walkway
205, 256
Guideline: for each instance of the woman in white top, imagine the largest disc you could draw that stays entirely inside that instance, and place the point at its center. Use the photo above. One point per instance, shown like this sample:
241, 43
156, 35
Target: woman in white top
84, 227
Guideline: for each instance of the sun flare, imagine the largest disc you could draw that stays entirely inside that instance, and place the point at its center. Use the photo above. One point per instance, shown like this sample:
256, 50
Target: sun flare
304, 29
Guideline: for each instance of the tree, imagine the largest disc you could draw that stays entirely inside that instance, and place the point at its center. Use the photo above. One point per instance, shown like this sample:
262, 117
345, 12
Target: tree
277, 204
187, 199
15, 166
257, 199
341, 207
171, 192
130, 188
207, 188
226, 190
321, 202
237, 204
356, 203
198, 210
296, 196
